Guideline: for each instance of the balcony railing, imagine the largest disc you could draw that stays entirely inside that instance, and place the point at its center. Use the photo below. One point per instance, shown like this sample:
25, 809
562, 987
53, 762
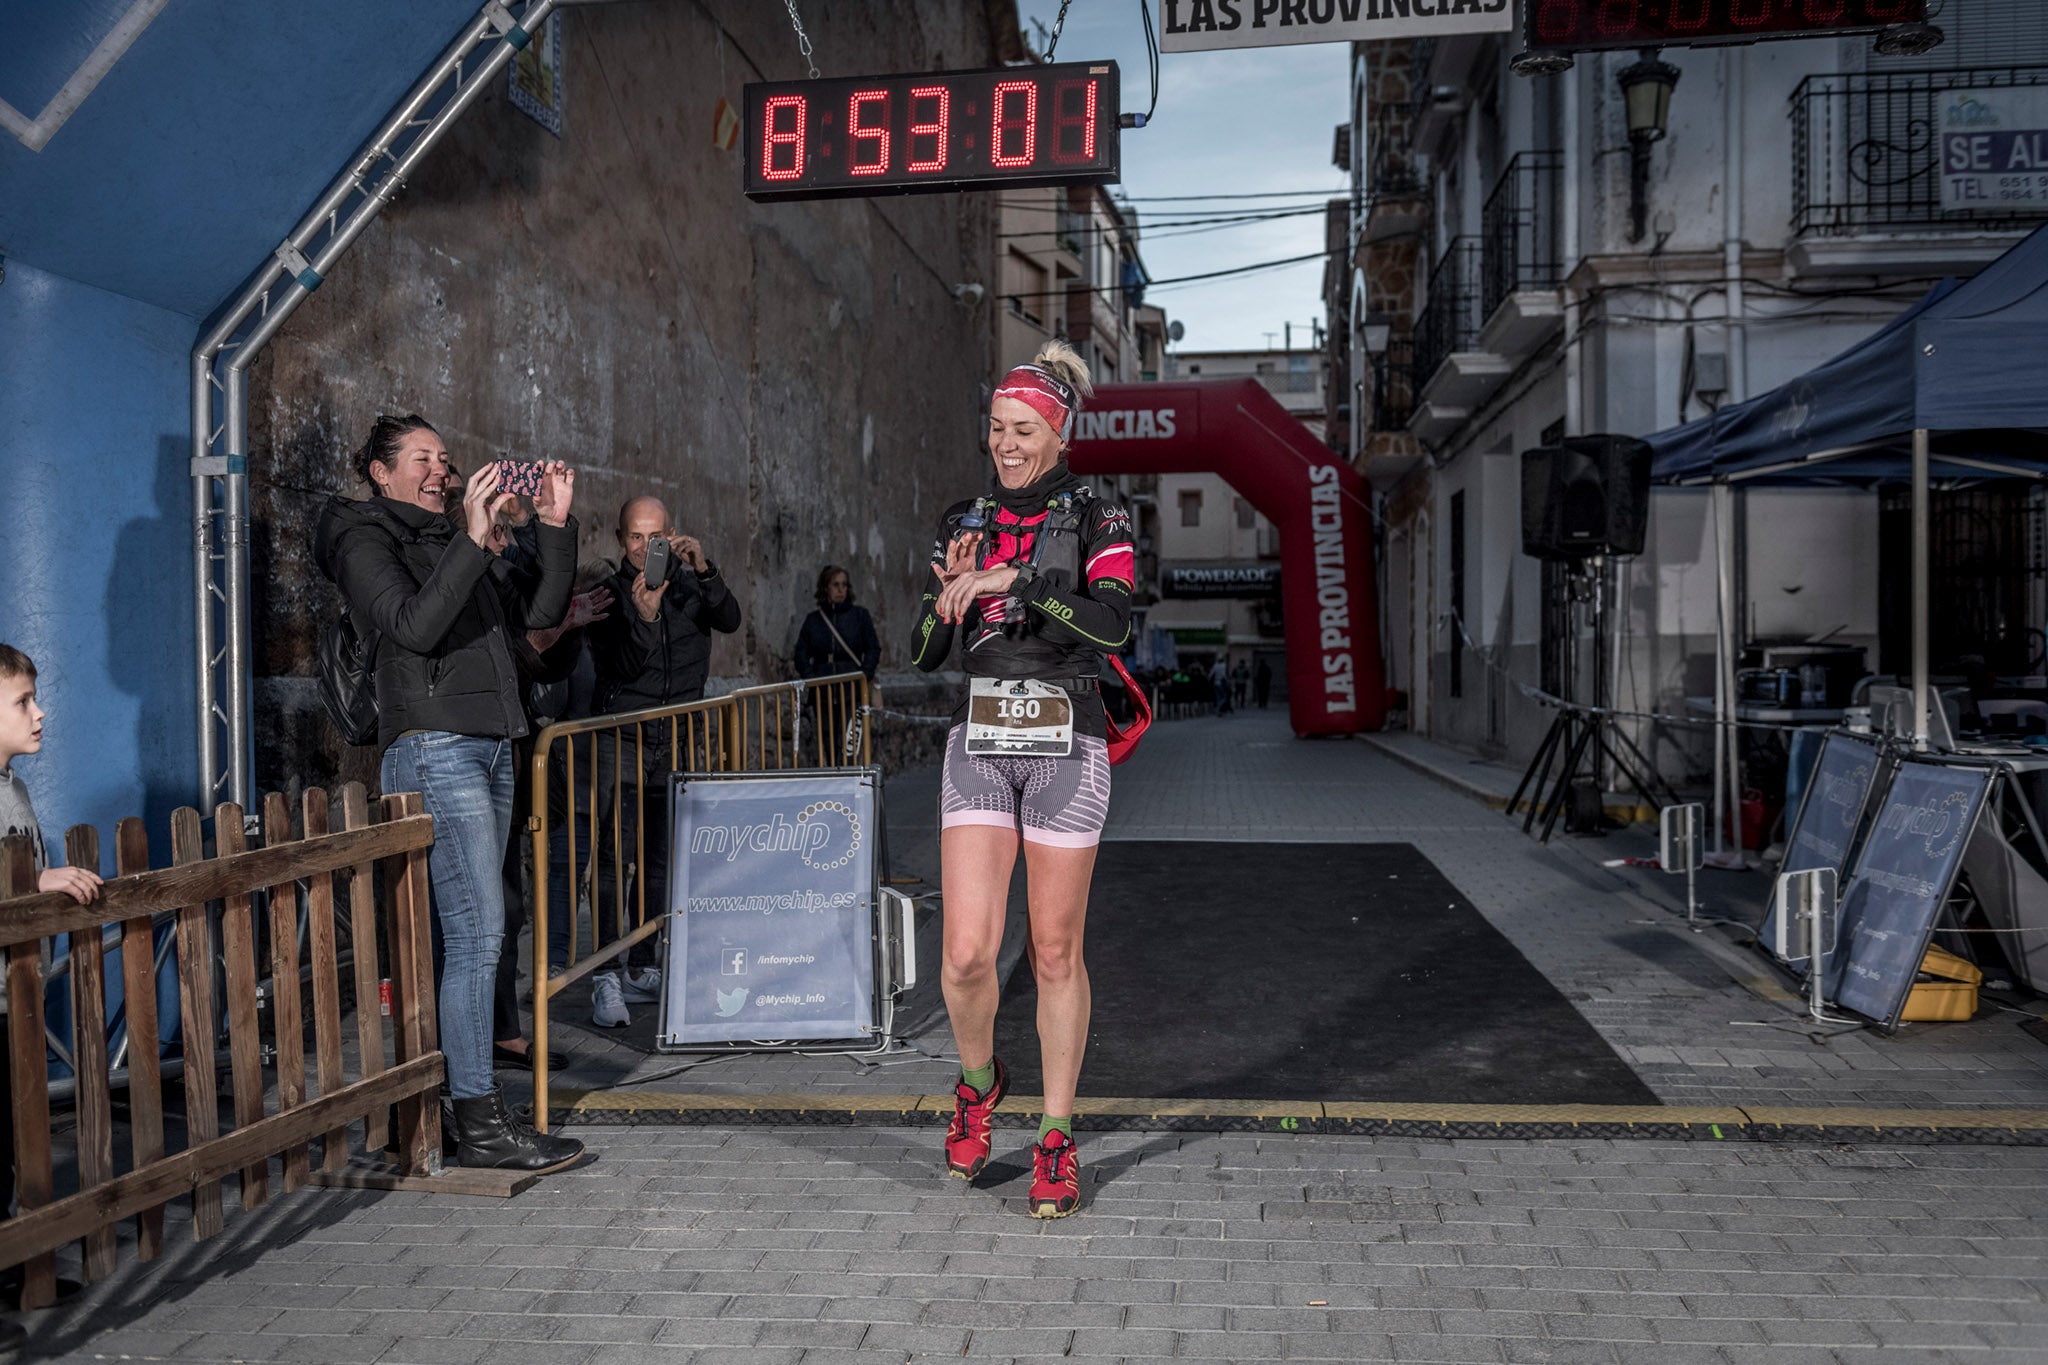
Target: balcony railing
1866, 151
1393, 385
1391, 171
1521, 230
1451, 316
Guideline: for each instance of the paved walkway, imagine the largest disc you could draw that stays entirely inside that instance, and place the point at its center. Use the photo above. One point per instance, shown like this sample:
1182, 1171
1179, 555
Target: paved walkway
818, 1244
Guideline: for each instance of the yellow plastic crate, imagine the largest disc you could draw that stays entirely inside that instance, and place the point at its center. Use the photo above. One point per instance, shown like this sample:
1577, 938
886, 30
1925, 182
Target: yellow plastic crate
1950, 997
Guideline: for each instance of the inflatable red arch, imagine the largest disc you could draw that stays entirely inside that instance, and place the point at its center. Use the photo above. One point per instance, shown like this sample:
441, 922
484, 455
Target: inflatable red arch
1234, 428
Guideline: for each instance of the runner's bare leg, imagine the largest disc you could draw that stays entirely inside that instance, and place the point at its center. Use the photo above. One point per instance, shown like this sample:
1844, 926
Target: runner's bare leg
1058, 882
975, 866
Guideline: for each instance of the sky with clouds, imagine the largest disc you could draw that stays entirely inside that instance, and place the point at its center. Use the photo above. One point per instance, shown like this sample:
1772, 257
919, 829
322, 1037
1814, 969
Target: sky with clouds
1253, 121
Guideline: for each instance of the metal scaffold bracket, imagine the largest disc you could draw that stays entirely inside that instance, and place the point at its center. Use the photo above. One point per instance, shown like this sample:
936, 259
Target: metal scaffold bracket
508, 28
297, 266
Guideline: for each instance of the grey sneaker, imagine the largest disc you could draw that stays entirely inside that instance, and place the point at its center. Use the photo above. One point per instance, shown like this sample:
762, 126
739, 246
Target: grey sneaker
608, 1001
643, 985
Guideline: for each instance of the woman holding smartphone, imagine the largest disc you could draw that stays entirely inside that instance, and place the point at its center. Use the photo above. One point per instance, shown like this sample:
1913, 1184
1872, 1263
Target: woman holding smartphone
1033, 579
415, 568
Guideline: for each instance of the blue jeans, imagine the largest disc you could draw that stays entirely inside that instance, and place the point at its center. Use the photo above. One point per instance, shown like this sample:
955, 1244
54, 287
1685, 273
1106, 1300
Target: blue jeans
467, 785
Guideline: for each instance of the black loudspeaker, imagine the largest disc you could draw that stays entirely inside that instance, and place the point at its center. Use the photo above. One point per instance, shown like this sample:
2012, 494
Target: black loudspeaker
1589, 495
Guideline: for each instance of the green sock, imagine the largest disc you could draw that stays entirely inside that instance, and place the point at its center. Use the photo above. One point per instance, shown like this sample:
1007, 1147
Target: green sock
1047, 1125
980, 1077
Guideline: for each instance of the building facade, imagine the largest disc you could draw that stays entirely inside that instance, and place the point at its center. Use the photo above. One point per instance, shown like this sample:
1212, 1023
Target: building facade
1518, 268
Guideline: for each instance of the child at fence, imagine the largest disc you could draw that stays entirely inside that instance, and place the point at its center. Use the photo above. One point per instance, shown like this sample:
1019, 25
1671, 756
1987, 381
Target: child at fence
21, 732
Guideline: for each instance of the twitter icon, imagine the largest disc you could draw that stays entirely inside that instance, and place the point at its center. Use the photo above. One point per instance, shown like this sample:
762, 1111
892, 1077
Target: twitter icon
732, 1002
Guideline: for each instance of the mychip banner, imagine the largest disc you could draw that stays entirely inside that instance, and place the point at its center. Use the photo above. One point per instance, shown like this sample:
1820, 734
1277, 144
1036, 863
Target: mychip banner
1890, 905
771, 908
1824, 830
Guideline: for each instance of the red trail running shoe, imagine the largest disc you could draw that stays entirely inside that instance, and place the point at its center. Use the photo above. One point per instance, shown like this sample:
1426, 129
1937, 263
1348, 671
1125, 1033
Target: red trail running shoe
1055, 1177
968, 1138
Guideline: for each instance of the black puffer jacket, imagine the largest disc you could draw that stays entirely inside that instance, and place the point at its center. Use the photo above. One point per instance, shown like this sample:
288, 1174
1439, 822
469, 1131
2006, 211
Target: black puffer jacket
446, 621
643, 664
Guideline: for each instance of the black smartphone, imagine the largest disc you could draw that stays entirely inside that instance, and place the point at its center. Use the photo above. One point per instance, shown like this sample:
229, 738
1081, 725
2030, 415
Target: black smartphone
658, 560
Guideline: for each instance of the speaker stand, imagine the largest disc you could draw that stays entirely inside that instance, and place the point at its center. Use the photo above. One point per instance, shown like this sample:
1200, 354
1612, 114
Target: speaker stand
1575, 744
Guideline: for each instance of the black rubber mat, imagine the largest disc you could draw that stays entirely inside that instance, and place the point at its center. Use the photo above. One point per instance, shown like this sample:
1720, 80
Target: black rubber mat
1311, 972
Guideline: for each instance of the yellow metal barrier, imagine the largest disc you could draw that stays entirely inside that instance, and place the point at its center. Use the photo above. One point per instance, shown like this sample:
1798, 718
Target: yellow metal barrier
580, 779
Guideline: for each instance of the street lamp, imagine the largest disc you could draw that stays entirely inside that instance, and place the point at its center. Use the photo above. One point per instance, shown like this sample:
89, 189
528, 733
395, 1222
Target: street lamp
1646, 87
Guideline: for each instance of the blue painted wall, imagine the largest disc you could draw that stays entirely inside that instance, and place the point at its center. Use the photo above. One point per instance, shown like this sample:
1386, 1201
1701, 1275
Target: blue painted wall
95, 547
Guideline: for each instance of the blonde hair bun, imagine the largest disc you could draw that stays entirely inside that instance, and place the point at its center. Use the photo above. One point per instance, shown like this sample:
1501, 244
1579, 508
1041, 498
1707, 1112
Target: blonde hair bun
1061, 361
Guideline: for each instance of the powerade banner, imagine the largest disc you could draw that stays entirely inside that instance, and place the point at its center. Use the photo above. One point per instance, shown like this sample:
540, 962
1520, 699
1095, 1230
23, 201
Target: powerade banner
1824, 832
1909, 862
771, 908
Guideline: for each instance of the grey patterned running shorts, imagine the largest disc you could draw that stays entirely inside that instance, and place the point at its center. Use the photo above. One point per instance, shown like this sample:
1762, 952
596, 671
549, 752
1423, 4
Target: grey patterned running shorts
1058, 801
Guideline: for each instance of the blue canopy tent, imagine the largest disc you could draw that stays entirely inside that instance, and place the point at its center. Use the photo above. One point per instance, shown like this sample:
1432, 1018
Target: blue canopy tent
1955, 388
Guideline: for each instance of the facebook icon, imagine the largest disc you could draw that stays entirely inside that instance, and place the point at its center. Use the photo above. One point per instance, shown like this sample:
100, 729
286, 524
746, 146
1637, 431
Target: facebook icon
734, 963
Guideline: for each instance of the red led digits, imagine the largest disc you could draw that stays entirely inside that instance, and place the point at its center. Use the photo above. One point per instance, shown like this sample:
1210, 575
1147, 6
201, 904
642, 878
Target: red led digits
937, 128
1749, 13
867, 143
1616, 16
773, 137
1073, 110
1557, 21
1688, 16
1891, 10
1009, 128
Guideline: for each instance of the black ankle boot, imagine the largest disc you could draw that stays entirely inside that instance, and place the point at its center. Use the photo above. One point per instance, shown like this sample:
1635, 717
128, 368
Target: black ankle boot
488, 1136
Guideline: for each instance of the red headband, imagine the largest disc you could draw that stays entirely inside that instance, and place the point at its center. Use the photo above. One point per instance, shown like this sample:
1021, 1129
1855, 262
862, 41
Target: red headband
1043, 394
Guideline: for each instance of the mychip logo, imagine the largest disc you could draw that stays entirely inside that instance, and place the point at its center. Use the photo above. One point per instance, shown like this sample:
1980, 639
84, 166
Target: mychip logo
831, 834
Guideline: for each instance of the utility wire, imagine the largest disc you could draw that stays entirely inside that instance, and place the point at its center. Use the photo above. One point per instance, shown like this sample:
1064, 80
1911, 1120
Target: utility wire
1146, 231
1191, 198
1170, 280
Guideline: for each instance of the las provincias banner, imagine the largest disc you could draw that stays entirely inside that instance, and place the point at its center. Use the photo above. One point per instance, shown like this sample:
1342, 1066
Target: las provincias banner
1320, 505
1204, 25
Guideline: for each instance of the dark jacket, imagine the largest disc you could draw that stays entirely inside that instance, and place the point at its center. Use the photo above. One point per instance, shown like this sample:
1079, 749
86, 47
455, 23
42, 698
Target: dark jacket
641, 664
446, 613
818, 655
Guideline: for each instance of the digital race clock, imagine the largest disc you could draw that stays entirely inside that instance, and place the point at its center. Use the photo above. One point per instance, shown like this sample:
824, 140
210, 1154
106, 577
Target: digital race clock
1580, 24
946, 130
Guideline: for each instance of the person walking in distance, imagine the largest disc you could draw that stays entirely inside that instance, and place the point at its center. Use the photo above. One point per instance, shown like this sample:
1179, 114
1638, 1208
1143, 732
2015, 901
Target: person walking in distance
839, 637
1033, 581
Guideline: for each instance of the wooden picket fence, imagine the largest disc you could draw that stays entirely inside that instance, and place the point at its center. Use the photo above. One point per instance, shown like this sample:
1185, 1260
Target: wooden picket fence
273, 1116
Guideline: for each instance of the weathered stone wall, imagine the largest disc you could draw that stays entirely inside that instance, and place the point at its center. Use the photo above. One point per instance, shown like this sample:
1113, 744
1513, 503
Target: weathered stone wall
796, 381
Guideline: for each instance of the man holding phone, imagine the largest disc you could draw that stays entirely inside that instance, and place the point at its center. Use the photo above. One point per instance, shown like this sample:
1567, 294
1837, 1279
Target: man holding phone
657, 652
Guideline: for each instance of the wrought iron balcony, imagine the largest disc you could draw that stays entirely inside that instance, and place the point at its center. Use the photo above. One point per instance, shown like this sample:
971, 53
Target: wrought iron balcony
1521, 230
1866, 152
1452, 316
1393, 385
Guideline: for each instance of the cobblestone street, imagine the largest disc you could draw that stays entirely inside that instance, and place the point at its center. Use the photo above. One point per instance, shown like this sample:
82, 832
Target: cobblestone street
691, 1243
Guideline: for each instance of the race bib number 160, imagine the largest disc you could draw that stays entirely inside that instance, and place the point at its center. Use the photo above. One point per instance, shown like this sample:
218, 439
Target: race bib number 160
1019, 716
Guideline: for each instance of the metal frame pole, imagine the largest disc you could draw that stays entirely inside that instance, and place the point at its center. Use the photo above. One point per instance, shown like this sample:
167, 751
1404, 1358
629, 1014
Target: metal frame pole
1920, 594
220, 481
1725, 776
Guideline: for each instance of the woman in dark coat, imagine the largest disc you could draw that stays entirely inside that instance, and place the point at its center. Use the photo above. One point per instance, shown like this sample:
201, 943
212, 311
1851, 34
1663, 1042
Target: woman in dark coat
839, 636
445, 613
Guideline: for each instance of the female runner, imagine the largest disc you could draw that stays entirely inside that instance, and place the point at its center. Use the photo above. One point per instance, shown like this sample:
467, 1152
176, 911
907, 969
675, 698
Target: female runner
1034, 579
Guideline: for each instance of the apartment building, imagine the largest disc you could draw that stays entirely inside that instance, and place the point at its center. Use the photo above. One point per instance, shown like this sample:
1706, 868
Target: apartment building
1516, 266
